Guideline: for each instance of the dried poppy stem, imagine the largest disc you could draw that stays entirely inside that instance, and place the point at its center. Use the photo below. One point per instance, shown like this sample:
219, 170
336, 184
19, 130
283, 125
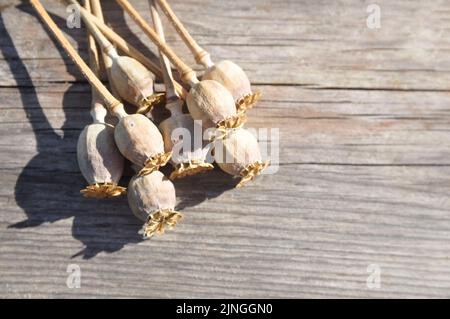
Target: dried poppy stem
98, 111
190, 159
226, 72
152, 199
112, 104
94, 7
131, 51
99, 160
137, 138
207, 100
165, 63
133, 82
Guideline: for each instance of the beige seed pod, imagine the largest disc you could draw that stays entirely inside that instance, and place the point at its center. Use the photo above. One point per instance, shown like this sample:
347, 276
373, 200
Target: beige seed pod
152, 199
210, 101
132, 80
140, 141
229, 74
127, 139
189, 155
238, 154
99, 160
134, 83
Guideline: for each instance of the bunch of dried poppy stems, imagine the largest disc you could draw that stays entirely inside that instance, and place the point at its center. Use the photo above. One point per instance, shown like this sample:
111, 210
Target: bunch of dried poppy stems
217, 102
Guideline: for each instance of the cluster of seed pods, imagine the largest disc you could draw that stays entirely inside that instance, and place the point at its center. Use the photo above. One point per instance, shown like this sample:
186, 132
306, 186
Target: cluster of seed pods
237, 154
220, 99
226, 72
191, 156
216, 102
128, 78
137, 138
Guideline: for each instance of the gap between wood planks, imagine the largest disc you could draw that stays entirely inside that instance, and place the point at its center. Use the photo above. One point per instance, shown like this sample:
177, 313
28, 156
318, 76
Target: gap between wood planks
304, 86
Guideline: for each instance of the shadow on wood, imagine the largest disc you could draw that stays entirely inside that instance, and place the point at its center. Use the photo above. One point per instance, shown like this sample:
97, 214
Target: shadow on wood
48, 186
48, 195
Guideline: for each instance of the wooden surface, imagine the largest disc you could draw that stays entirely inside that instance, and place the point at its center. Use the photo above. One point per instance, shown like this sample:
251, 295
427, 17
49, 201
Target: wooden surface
364, 178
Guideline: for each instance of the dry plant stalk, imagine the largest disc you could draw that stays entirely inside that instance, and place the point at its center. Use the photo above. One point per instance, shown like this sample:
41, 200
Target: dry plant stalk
190, 158
132, 81
131, 51
238, 154
95, 8
99, 160
207, 100
111, 103
137, 138
152, 199
225, 72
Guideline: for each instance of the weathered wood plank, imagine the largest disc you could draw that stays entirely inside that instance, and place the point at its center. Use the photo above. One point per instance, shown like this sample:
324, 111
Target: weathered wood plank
313, 236
313, 43
364, 161
316, 126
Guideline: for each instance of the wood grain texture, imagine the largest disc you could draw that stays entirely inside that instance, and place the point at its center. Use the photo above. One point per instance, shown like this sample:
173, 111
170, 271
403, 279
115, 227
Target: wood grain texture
364, 172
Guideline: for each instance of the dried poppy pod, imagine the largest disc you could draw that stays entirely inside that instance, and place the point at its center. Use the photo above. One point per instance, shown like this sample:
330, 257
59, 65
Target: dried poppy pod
210, 102
230, 75
99, 160
132, 81
207, 100
226, 72
140, 141
137, 138
238, 154
152, 199
188, 156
